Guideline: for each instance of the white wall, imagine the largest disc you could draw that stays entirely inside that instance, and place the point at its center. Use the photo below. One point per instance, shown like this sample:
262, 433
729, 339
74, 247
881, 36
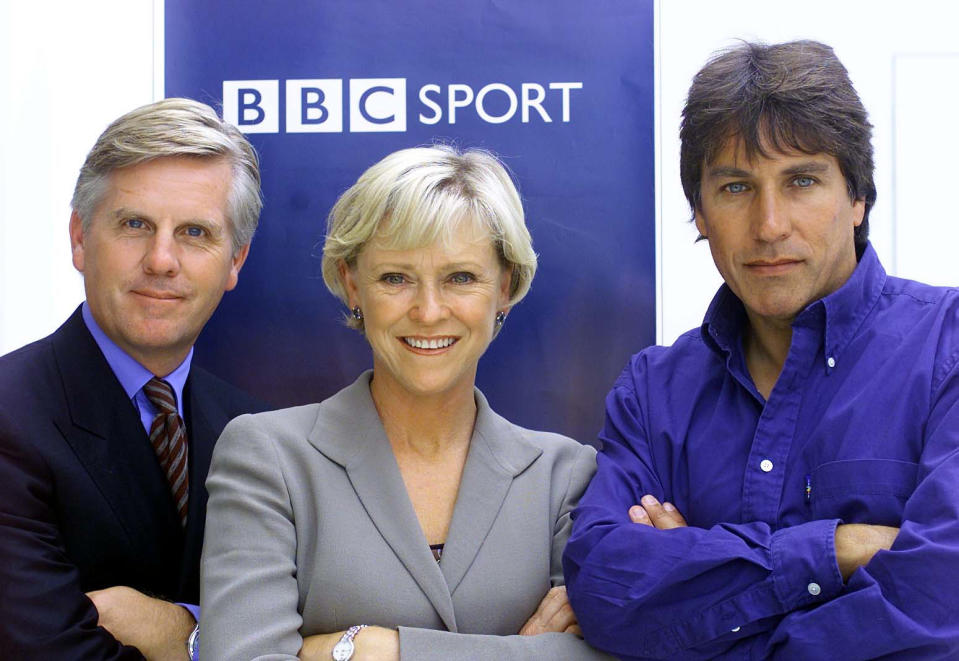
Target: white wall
67, 68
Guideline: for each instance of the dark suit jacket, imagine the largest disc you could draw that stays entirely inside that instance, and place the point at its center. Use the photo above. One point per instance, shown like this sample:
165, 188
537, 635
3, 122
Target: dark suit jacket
84, 503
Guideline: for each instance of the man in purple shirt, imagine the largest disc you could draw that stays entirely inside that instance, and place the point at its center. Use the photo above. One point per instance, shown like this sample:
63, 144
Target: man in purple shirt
782, 482
106, 428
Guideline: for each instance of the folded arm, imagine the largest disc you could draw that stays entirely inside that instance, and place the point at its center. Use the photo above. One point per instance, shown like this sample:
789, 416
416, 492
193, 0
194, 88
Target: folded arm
249, 574
642, 591
43, 612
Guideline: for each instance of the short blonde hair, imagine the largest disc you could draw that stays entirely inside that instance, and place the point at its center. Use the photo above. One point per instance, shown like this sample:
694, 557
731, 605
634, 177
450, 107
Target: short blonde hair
413, 197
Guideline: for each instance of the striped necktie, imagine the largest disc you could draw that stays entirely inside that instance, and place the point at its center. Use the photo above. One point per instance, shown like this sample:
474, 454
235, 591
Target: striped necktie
168, 436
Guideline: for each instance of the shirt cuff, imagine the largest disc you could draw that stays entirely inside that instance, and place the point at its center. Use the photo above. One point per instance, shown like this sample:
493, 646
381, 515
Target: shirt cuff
194, 610
804, 564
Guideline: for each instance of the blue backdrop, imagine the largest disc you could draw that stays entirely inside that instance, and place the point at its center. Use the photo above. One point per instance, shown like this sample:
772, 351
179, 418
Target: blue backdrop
562, 90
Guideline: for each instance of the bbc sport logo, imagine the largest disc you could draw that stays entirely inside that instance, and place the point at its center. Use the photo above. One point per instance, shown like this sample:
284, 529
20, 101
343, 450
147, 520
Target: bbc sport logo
380, 104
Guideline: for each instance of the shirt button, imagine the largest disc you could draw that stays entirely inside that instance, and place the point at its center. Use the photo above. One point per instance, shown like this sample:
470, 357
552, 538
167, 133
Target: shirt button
766, 465
831, 362
736, 629
814, 589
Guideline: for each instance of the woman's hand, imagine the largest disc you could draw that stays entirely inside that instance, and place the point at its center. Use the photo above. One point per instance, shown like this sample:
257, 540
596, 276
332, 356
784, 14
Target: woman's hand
554, 614
370, 644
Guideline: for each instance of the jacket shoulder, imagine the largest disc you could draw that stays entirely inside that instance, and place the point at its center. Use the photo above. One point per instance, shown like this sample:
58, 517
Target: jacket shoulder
211, 388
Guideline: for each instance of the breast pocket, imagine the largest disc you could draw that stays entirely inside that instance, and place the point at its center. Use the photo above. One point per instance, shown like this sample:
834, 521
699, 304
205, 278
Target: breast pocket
862, 490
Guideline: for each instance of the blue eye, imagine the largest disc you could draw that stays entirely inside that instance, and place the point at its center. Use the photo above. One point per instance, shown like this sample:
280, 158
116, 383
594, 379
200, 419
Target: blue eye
393, 278
462, 278
195, 231
735, 187
135, 223
804, 182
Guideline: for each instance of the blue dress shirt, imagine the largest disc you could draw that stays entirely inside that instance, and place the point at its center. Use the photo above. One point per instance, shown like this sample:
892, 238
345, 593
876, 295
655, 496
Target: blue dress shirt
862, 426
132, 375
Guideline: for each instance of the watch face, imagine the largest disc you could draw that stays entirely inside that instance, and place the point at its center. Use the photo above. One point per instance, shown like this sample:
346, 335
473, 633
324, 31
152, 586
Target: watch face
343, 650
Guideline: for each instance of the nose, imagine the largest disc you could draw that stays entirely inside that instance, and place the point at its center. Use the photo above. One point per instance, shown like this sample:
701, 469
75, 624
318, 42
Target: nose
429, 306
771, 220
162, 256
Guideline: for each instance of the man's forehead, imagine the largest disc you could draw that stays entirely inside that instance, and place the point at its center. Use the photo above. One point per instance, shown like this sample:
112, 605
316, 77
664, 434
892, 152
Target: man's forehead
196, 185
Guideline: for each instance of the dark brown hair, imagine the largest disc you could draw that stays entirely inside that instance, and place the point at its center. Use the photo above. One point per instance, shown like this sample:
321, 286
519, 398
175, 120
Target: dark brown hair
795, 96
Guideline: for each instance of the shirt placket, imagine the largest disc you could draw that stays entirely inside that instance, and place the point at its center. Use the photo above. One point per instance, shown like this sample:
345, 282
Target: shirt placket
775, 432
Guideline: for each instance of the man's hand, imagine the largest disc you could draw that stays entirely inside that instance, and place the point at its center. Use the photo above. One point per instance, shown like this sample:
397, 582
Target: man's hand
650, 513
159, 629
856, 543
554, 614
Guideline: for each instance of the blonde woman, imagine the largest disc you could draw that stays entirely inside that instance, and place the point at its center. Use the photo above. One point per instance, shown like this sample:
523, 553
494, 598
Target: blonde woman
402, 518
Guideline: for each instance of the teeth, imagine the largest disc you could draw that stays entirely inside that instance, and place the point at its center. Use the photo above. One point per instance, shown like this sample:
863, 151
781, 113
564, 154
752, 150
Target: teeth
429, 344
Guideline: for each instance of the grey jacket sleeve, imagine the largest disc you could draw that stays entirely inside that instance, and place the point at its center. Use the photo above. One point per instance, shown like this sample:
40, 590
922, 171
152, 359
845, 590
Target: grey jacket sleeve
249, 594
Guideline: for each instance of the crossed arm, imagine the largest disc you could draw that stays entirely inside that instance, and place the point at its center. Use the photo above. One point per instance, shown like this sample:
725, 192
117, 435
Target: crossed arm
856, 543
646, 585
43, 610
554, 614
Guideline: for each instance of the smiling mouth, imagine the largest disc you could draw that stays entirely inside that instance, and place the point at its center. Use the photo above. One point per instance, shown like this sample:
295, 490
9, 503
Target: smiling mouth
426, 344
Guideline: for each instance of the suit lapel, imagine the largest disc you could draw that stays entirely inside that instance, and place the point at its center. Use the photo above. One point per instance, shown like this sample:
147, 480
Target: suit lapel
105, 432
497, 454
356, 440
205, 418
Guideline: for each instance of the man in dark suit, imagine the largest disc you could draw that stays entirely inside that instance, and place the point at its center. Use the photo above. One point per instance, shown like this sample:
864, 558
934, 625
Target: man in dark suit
106, 429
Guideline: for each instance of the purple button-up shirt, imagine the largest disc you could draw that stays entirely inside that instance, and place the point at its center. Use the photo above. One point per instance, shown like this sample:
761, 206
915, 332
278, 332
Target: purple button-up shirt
861, 427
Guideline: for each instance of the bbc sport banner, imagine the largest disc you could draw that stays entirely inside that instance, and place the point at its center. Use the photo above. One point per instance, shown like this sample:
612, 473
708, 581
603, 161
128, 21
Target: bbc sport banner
562, 90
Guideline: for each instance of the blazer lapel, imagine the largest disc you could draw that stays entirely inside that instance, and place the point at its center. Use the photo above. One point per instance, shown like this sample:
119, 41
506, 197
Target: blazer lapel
358, 442
497, 454
104, 430
204, 420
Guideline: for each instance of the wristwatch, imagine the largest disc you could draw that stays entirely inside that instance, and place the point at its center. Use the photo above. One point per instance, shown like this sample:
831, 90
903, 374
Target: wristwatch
343, 650
193, 643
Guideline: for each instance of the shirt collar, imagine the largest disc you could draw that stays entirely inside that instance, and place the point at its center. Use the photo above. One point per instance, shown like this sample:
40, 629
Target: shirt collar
131, 374
847, 307
839, 314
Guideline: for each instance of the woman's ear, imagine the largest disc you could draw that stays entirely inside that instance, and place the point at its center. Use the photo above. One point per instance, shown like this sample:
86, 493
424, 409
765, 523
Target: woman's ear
505, 285
348, 280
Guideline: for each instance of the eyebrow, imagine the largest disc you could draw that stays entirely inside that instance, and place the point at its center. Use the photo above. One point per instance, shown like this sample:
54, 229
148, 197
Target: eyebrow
453, 266
813, 167
126, 212
726, 171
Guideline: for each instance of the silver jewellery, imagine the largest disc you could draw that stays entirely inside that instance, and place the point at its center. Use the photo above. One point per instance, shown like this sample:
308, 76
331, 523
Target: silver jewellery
343, 650
500, 318
357, 313
193, 643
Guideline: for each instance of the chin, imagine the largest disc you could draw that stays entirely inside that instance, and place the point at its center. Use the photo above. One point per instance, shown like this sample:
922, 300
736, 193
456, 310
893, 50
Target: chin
778, 310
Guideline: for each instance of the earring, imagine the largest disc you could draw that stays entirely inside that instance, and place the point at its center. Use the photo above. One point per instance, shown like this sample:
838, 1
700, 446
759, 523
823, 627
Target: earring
500, 318
357, 313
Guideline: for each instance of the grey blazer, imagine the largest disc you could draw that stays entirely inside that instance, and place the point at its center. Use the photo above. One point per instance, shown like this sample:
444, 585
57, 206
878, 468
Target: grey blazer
310, 530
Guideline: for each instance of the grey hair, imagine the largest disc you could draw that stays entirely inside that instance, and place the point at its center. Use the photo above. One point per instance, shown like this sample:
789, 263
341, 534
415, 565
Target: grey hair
173, 127
413, 197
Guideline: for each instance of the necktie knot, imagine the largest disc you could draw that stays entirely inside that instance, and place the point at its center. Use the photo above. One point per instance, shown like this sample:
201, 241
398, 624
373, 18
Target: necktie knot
160, 394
